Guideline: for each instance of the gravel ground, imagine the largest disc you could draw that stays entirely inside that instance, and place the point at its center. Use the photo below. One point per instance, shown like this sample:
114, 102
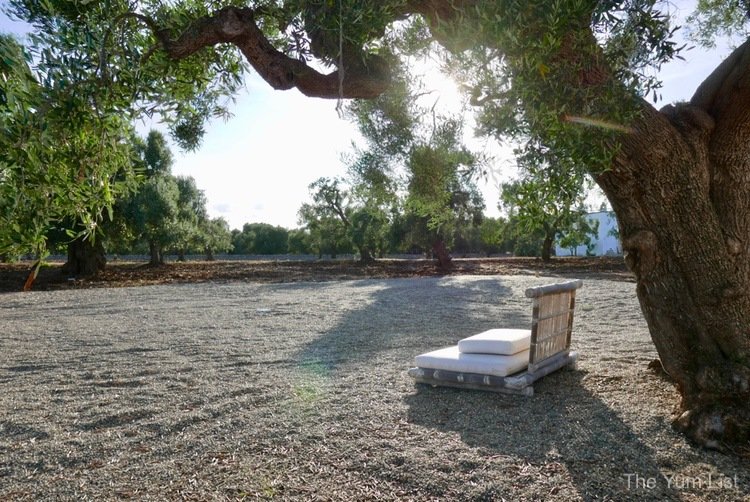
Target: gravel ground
299, 391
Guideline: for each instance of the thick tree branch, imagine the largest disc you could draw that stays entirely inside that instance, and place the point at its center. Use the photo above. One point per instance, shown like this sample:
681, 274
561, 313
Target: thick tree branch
725, 96
709, 94
365, 76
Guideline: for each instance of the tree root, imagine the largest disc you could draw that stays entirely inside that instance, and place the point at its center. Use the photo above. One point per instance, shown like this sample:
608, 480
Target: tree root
721, 427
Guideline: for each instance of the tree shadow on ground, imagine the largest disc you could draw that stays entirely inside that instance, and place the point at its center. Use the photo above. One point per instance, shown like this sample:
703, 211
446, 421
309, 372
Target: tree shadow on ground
411, 315
562, 424
565, 431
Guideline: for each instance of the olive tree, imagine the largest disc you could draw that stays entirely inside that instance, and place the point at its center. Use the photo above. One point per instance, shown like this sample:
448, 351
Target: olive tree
215, 237
260, 238
167, 212
548, 197
421, 153
153, 213
364, 222
61, 161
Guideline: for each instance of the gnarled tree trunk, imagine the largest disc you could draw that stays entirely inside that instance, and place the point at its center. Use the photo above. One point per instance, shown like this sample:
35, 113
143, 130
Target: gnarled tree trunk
365, 255
680, 192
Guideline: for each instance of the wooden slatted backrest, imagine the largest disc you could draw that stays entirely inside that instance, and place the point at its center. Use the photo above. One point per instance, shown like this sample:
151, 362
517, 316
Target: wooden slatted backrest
552, 320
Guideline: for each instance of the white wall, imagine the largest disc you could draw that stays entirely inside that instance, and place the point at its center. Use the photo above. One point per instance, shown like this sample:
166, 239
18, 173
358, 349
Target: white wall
604, 243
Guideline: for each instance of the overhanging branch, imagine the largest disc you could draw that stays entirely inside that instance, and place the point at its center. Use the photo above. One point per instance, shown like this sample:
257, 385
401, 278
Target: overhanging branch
365, 76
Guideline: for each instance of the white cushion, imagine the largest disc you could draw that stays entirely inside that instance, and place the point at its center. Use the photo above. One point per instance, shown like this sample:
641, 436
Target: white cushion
497, 341
451, 359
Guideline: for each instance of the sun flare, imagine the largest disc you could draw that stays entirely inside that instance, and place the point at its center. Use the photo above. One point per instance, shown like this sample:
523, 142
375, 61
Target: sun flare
436, 88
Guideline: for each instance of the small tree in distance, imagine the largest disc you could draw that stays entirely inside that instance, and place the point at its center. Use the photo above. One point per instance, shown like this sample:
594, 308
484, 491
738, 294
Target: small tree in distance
260, 238
365, 225
548, 197
152, 214
167, 212
580, 233
491, 233
215, 237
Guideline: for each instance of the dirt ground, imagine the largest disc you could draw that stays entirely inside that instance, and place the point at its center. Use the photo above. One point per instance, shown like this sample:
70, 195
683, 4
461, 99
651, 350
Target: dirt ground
118, 274
274, 389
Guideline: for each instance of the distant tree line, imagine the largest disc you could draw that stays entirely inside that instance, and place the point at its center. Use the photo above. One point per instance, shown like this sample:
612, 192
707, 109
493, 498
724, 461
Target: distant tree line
366, 213
399, 234
409, 190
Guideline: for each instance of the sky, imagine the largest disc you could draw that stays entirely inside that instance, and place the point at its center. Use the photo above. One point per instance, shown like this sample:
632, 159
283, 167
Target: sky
256, 167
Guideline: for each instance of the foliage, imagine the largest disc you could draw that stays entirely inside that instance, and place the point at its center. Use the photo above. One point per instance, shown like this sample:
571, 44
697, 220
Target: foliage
126, 57
187, 231
712, 17
328, 218
156, 155
548, 198
107, 52
327, 233
167, 212
437, 190
579, 233
422, 155
215, 237
369, 231
299, 242
260, 238
527, 82
60, 159
491, 234
152, 214
388, 122
528, 244
67, 103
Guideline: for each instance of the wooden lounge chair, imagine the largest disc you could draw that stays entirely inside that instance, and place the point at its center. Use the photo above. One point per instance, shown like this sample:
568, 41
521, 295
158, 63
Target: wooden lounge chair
487, 361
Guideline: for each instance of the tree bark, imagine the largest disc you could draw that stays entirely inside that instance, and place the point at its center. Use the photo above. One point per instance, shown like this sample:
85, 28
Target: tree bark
679, 187
443, 257
84, 258
157, 258
685, 235
363, 75
365, 255
547, 248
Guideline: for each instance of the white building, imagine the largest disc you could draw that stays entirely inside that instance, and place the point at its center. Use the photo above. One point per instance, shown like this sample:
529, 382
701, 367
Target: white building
606, 243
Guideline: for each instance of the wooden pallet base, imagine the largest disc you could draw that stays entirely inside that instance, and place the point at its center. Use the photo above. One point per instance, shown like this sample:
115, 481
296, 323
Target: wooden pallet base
520, 383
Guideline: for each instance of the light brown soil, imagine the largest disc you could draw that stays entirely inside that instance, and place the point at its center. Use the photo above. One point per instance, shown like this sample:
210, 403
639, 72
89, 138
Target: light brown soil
118, 274
232, 389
